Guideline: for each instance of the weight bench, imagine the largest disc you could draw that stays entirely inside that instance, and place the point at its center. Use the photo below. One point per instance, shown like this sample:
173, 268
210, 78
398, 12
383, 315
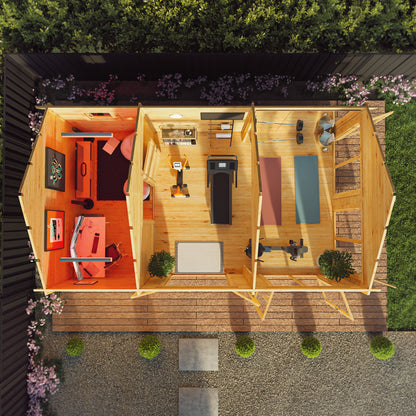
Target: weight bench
221, 170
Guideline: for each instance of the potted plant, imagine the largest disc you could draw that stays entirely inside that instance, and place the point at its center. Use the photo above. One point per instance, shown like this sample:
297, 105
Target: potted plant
149, 347
382, 348
336, 265
75, 346
311, 347
161, 264
245, 346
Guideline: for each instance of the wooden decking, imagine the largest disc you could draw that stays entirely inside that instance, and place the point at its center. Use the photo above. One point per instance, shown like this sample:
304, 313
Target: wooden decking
226, 311
216, 312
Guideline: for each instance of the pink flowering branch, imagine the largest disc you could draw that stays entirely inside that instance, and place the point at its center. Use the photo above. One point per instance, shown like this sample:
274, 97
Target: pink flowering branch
103, 94
352, 92
42, 380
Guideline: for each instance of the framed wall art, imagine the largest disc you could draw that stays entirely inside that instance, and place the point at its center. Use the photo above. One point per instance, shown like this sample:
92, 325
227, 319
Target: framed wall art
54, 229
54, 170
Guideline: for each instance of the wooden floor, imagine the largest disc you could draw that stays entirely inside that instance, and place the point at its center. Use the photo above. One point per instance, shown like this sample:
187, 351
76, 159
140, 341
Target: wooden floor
171, 214
117, 231
226, 311
317, 237
188, 219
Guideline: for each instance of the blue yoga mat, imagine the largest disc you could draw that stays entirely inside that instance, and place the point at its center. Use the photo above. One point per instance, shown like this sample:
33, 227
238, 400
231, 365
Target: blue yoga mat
307, 190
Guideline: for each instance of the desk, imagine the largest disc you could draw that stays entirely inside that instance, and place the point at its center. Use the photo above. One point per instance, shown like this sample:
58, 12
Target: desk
91, 243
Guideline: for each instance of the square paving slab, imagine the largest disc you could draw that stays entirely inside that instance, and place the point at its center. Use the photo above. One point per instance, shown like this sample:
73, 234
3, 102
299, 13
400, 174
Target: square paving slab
198, 354
198, 402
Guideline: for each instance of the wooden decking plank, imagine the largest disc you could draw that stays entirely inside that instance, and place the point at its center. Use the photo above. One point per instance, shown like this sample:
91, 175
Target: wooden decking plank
219, 308
171, 328
363, 321
107, 308
271, 327
229, 327
98, 315
131, 328
335, 328
214, 302
226, 315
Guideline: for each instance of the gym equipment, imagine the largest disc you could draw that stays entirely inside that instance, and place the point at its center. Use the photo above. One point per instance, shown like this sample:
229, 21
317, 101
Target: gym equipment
298, 138
293, 249
326, 122
326, 125
180, 190
86, 203
326, 138
298, 125
221, 173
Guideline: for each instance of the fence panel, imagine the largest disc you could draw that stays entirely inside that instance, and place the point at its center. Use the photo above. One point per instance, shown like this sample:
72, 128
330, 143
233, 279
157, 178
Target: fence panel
17, 273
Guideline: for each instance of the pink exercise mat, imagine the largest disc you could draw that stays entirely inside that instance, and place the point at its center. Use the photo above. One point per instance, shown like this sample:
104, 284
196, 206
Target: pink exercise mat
270, 171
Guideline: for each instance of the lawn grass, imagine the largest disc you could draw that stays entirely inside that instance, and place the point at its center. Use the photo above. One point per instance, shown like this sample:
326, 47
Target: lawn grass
401, 234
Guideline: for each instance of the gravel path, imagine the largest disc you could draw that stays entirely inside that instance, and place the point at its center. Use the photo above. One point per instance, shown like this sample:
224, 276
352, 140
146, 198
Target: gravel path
111, 378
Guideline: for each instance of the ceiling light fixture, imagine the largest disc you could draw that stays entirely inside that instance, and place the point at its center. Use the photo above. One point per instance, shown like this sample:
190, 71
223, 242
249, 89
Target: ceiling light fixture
176, 115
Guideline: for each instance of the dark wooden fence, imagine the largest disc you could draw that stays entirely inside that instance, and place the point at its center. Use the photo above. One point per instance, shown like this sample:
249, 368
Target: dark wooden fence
17, 272
21, 71
303, 66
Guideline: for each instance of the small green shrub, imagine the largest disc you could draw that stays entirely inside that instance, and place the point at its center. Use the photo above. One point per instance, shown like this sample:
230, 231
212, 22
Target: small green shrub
382, 348
311, 347
75, 346
161, 264
149, 347
336, 265
245, 346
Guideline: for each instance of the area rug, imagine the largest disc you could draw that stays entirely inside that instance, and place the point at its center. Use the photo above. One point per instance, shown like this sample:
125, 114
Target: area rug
307, 190
271, 184
199, 257
112, 172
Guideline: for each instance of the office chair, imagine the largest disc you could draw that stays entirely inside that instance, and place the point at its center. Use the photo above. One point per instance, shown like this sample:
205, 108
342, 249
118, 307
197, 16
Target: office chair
113, 251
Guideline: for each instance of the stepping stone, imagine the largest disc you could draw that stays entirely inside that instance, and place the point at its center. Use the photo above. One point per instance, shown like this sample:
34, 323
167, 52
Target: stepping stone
198, 402
198, 354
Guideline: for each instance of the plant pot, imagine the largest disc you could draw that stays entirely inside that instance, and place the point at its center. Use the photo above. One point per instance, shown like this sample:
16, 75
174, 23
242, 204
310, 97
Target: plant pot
317, 260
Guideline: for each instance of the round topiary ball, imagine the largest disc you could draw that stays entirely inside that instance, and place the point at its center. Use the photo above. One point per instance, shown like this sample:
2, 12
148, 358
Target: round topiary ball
75, 346
245, 346
311, 347
149, 347
382, 348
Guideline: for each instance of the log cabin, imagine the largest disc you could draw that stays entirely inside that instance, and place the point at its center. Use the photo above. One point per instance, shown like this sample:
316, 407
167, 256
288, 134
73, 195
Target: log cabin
244, 198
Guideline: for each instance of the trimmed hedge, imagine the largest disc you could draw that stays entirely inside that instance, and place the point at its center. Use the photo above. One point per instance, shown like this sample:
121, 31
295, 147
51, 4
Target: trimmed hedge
204, 26
149, 347
75, 346
245, 346
311, 347
401, 232
382, 348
